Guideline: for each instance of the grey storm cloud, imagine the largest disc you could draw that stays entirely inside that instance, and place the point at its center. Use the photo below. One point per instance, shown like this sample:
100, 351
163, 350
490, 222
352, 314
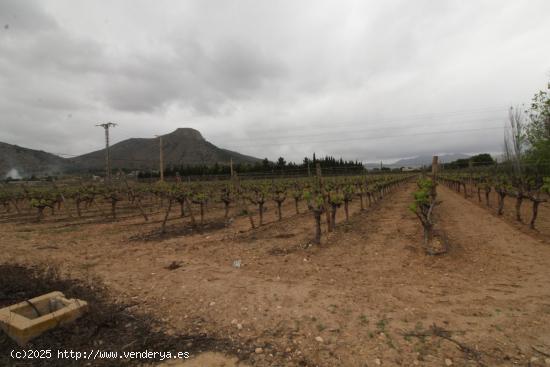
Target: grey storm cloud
365, 80
190, 75
24, 16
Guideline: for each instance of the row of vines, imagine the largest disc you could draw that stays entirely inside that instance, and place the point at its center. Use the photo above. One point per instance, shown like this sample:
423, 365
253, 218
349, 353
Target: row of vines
193, 200
534, 190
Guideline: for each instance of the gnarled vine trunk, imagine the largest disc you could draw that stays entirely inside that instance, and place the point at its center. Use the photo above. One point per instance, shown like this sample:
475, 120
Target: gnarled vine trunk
346, 209
519, 201
317, 215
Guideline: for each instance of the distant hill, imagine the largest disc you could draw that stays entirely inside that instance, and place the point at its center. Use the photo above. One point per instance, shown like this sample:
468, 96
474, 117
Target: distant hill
184, 146
419, 161
427, 160
16, 162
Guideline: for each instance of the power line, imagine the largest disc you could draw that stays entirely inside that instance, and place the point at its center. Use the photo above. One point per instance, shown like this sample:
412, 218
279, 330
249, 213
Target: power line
350, 128
271, 137
331, 140
403, 118
369, 138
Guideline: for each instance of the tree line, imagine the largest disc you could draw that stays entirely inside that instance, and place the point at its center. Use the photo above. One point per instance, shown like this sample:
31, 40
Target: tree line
264, 166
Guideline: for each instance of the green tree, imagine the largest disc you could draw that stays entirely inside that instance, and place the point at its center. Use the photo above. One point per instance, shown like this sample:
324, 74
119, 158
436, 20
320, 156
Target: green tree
538, 128
281, 163
265, 163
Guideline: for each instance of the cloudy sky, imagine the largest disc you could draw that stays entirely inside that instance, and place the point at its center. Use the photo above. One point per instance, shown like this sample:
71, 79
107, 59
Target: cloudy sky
366, 80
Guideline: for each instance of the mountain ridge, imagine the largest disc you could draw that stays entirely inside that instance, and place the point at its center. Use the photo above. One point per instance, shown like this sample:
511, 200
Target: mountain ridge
419, 161
183, 146
17, 161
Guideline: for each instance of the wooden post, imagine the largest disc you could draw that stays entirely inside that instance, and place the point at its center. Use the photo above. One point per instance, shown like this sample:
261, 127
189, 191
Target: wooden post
161, 160
471, 180
435, 167
231, 166
325, 196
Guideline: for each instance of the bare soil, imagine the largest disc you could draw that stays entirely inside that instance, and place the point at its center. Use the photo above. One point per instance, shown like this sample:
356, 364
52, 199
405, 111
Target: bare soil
108, 325
542, 224
368, 295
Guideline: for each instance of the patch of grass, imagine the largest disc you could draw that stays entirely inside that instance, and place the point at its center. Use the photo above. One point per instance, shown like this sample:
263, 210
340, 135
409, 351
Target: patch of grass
363, 320
422, 349
321, 327
381, 325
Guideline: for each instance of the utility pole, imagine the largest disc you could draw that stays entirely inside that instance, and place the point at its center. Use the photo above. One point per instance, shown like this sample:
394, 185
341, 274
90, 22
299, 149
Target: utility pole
106, 126
161, 159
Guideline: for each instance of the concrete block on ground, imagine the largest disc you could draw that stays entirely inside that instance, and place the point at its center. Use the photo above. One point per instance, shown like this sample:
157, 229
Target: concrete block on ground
29, 319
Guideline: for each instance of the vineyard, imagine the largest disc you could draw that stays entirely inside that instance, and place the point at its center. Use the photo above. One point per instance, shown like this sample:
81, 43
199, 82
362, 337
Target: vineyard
518, 200
191, 203
275, 184
286, 266
300, 271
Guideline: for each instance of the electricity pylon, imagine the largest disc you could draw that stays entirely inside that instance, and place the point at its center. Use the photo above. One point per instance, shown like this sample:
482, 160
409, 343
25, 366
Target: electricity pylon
106, 126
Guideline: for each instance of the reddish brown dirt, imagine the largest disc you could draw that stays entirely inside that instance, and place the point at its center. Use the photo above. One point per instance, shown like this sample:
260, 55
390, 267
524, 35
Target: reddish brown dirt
542, 224
359, 293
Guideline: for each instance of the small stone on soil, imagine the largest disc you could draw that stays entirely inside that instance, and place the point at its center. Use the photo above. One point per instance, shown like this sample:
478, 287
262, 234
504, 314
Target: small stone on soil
319, 339
259, 350
448, 362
